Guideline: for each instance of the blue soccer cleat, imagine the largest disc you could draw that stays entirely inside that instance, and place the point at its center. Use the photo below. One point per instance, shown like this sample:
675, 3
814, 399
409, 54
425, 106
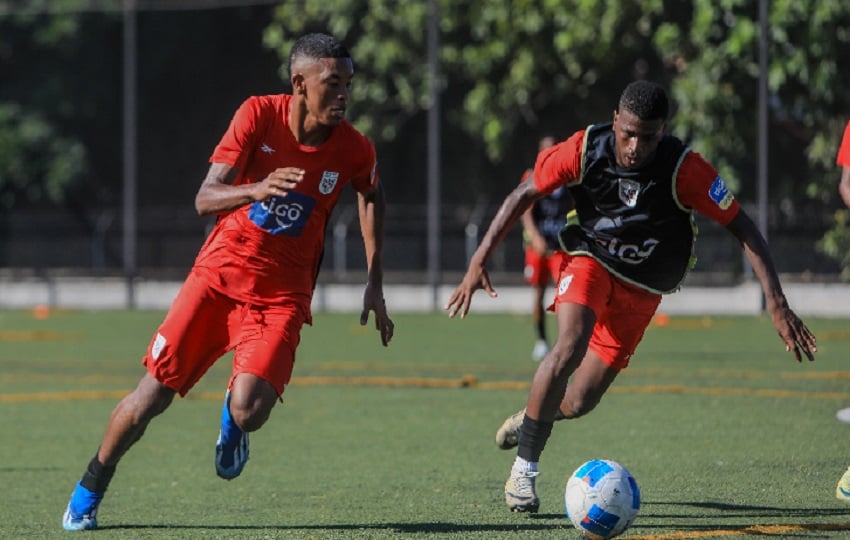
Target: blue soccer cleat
231, 448
81, 514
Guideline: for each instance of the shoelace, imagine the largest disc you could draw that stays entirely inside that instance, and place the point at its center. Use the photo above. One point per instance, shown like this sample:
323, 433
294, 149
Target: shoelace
525, 482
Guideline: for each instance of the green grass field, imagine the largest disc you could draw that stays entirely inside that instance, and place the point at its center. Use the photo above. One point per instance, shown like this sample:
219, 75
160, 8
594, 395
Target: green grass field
727, 436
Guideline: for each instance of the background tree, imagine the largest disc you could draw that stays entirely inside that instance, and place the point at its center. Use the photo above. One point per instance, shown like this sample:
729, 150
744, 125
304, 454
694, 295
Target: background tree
715, 58
514, 69
510, 71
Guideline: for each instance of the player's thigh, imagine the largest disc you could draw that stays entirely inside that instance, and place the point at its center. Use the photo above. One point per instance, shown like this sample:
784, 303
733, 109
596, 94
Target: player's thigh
193, 335
269, 337
621, 330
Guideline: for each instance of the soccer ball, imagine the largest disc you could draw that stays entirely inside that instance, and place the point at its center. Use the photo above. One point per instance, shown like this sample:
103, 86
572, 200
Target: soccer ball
602, 499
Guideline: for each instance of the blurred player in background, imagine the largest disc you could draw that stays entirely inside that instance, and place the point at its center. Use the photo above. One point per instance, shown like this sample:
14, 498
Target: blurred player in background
543, 255
635, 190
274, 179
842, 491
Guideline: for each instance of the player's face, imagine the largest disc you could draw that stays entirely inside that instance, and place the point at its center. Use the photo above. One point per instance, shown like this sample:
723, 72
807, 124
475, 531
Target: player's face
327, 84
635, 139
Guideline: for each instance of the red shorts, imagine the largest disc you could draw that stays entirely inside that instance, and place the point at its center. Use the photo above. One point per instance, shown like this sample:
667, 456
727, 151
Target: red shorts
623, 311
204, 324
541, 270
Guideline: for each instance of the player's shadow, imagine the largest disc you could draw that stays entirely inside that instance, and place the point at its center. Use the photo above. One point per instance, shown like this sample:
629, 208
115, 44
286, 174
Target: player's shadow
720, 516
432, 527
727, 510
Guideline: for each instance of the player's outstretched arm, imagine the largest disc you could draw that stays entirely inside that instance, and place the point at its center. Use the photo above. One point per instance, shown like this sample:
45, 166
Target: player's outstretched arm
793, 332
517, 202
371, 207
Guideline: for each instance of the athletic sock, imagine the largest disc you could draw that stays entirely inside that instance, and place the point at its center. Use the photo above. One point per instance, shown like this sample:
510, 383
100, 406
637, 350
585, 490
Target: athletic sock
523, 465
97, 476
532, 438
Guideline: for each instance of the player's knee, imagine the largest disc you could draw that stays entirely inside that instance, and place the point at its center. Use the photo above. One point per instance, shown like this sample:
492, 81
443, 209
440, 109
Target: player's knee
250, 416
564, 359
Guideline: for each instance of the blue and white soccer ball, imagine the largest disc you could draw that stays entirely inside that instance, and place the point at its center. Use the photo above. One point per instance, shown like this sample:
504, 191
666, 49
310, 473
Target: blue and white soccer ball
602, 499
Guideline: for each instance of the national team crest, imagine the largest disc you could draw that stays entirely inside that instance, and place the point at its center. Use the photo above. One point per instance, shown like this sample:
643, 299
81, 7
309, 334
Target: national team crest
629, 191
328, 182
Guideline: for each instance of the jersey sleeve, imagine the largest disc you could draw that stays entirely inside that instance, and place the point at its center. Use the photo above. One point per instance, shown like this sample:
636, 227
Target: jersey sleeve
241, 136
843, 157
700, 187
559, 164
367, 177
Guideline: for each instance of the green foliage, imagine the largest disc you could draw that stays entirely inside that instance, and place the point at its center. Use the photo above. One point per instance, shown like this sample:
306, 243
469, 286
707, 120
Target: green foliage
836, 242
36, 164
502, 62
715, 57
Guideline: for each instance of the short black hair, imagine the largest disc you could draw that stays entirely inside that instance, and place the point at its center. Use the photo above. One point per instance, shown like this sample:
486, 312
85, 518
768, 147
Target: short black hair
316, 46
646, 100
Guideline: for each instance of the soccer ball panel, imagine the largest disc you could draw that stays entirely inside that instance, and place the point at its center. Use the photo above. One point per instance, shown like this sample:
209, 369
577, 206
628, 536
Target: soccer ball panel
602, 499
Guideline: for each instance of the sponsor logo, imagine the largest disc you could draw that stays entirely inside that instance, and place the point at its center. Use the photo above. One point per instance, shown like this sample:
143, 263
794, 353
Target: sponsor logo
283, 215
158, 344
328, 182
629, 253
564, 284
720, 194
267, 149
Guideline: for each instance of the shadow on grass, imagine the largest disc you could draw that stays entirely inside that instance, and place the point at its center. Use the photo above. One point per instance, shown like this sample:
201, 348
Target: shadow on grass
409, 528
725, 519
727, 510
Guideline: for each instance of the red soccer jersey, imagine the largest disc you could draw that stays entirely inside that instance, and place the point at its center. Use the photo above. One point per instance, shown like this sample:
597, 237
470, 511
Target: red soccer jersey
843, 157
698, 186
265, 252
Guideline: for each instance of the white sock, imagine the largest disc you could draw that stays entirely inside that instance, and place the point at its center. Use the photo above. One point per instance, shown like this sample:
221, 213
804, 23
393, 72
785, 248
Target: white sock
521, 465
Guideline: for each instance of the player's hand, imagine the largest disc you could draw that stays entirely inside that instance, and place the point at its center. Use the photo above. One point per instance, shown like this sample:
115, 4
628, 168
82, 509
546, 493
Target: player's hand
476, 278
794, 333
373, 300
278, 183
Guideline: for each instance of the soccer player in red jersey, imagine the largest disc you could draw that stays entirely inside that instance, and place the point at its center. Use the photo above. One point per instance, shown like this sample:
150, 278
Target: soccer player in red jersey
843, 160
635, 189
274, 179
543, 255
842, 491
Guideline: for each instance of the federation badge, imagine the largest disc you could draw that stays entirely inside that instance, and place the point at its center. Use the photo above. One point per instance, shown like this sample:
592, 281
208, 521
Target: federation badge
328, 182
629, 191
158, 344
564, 284
720, 194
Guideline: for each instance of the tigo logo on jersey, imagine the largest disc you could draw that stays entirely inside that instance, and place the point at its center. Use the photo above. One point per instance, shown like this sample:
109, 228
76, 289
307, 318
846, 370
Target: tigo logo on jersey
328, 182
720, 194
283, 215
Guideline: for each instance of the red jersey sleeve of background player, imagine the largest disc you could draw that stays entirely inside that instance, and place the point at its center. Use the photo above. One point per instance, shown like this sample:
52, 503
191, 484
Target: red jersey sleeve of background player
559, 164
240, 137
699, 186
843, 157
